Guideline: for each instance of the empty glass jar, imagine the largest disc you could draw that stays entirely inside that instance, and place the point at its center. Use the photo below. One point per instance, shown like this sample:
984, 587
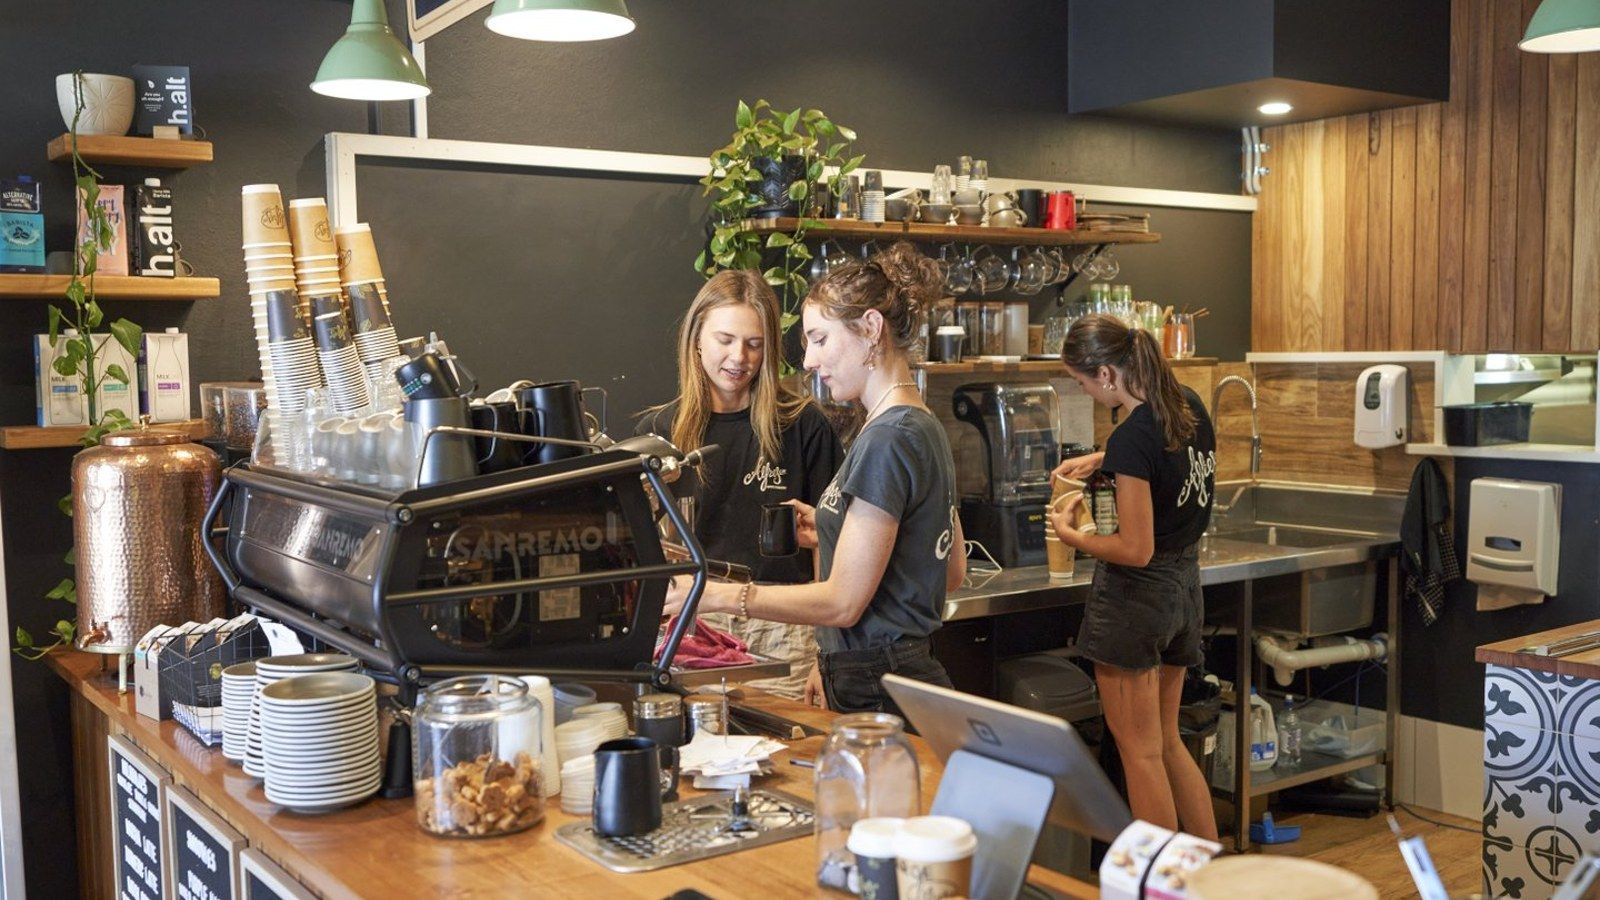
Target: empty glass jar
476, 757
866, 768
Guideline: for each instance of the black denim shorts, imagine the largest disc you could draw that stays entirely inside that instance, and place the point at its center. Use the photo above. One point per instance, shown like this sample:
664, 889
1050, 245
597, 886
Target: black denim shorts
1139, 618
852, 679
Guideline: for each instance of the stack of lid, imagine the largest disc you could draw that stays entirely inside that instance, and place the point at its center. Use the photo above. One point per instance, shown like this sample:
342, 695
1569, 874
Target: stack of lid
579, 738
616, 721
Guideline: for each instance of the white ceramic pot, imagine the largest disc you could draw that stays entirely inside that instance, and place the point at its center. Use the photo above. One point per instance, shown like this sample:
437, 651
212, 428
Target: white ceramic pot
107, 103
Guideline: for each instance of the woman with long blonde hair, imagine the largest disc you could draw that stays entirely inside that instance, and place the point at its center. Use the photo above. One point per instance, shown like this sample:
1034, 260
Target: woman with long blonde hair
776, 446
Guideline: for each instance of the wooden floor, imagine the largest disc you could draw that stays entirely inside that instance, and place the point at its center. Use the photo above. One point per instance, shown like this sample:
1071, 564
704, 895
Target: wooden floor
1366, 847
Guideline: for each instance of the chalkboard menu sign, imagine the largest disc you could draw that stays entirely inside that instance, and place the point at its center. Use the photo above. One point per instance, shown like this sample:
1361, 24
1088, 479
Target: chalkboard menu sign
263, 880
205, 851
137, 789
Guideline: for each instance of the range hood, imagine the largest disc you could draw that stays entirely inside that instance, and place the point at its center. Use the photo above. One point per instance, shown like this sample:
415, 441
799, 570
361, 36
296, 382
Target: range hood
1213, 63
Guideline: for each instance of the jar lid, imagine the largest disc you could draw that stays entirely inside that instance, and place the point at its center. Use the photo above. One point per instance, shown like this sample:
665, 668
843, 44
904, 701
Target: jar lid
143, 437
657, 706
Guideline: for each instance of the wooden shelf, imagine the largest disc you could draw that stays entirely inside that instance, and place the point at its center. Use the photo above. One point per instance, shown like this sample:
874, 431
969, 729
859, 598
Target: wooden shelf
33, 437
158, 153
109, 287
938, 234
1030, 366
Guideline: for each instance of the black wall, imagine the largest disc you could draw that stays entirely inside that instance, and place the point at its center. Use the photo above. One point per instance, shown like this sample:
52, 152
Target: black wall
1440, 681
921, 82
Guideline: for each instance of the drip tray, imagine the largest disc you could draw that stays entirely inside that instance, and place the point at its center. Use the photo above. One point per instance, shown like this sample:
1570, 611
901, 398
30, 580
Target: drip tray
694, 829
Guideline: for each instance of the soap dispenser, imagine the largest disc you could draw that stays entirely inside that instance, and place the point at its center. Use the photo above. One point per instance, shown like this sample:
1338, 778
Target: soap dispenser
1381, 411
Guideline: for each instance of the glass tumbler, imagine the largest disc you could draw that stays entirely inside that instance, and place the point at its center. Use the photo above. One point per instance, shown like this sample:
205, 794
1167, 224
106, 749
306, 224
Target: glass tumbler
866, 768
1179, 336
476, 750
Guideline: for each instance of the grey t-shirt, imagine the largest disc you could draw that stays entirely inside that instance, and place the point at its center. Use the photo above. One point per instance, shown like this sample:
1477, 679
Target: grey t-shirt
900, 463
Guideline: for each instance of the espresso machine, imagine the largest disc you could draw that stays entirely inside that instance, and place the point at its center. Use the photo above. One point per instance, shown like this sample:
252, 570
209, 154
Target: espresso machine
1016, 426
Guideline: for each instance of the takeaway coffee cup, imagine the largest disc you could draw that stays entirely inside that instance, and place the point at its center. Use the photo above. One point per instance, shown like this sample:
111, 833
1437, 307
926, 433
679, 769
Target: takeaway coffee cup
778, 530
949, 339
308, 228
358, 255
263, 221
872, 843
1058, 557
934, 858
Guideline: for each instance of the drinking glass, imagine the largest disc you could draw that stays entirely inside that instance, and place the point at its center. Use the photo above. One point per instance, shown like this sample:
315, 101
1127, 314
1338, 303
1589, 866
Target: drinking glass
939, 189
980, 170
1179, 337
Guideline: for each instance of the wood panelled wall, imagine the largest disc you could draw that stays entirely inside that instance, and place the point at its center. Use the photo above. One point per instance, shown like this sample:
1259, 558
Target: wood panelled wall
1471, 225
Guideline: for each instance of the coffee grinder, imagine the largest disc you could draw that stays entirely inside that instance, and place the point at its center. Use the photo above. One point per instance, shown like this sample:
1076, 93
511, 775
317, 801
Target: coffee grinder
1017, 425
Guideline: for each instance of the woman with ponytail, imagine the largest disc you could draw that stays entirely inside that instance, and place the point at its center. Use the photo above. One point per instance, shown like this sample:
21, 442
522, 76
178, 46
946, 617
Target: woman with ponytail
1141, 627
889, 545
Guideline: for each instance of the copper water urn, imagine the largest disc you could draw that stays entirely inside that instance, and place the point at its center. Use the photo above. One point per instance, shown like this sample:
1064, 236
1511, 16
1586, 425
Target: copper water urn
137, 503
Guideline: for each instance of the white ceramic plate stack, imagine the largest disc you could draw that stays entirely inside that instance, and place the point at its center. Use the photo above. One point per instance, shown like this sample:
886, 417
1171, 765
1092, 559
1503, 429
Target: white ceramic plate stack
238, 691
577, 786
320, 737
271, 670
616, 721
579, 737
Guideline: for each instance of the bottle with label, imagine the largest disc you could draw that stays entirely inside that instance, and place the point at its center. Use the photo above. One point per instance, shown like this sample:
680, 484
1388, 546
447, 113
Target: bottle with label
1101, 490
1263, 734
1289, 734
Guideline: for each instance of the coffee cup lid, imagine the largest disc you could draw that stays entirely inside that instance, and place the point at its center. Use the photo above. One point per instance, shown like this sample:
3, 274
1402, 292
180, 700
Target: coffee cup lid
352, 229
934, 839
874, 837
951, 329
259, 189
308, 201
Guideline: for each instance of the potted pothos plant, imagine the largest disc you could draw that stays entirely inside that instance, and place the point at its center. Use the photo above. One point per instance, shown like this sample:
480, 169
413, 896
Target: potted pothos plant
770, 168
78, 355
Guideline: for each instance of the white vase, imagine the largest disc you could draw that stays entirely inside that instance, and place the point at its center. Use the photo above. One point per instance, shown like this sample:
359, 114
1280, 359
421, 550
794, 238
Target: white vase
107, 103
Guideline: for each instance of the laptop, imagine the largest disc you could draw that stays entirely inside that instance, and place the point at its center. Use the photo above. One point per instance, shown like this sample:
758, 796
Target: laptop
1084, 800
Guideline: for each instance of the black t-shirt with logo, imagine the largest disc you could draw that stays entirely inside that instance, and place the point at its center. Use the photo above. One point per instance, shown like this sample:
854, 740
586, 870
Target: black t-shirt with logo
1181, 481
900, 463
731, 486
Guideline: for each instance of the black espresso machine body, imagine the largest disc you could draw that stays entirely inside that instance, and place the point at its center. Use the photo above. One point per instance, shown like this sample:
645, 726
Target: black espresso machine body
1016, 426
553, 569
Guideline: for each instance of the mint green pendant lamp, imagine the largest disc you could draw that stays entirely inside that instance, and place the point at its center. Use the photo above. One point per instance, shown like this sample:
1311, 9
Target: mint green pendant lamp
560, 20
1563, 26
369, 62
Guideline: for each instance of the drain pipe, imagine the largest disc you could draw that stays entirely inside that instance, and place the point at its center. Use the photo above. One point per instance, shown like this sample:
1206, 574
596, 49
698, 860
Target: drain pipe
1285, 660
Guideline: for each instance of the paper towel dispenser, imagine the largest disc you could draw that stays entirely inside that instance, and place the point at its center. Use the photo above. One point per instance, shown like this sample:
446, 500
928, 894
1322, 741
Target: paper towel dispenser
1381, 410
1514, 533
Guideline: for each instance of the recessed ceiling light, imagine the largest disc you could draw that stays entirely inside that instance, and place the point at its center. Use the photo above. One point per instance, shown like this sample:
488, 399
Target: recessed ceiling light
1275, 108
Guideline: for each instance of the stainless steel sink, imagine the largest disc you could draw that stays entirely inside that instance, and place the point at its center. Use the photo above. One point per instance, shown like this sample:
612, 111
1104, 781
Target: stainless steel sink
1286, 536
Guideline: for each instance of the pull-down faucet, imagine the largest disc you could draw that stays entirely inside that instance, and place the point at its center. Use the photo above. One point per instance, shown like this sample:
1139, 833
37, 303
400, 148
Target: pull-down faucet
1255, 432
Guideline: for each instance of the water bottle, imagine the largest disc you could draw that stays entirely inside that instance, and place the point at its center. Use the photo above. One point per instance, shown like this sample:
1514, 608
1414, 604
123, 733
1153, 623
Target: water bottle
1289, 734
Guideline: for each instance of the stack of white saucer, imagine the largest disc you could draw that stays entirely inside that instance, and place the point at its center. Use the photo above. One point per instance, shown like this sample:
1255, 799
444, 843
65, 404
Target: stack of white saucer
579, 737
577, 786
273, 669
616, 721
238, 691
320, 737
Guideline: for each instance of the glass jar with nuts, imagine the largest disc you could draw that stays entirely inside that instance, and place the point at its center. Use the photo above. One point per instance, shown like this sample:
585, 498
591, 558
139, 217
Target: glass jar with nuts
475, 757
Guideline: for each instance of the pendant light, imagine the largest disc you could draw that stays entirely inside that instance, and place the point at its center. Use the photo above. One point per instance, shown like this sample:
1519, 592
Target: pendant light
1563, 26
369, 62
560, 20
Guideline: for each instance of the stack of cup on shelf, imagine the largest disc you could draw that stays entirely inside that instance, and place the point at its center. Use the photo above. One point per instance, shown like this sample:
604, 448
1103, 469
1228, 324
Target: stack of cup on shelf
269, 268
288, 352
336, 351
316, 256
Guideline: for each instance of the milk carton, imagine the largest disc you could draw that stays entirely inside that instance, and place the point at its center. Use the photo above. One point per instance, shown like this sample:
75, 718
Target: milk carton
57, 399
113, 257
153, 240
114, 394
164, 376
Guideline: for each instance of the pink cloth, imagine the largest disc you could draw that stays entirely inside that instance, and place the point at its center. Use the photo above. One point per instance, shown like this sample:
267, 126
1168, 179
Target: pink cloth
707, 648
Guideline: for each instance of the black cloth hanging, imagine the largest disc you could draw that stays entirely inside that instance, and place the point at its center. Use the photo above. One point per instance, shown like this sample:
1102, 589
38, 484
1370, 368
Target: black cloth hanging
1428, 551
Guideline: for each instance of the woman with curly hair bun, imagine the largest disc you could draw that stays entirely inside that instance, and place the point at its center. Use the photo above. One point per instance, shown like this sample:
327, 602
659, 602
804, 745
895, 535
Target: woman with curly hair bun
889, 543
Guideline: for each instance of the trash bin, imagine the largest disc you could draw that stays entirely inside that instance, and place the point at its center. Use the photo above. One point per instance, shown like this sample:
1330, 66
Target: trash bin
1199, 712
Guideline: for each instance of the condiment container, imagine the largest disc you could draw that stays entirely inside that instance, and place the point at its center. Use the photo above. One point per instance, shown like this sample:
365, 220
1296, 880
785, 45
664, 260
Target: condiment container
477, 744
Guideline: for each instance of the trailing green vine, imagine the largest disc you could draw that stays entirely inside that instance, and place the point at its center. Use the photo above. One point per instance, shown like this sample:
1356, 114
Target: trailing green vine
76, 355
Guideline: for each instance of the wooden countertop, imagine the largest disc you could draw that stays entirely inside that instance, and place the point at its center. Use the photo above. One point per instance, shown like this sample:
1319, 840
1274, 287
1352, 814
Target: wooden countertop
1509, 652
376, 848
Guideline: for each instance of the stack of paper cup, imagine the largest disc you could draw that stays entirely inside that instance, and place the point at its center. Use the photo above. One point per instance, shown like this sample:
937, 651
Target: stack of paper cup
287, 349
268, 262
341, 362
316, 256
358, 260
374, 333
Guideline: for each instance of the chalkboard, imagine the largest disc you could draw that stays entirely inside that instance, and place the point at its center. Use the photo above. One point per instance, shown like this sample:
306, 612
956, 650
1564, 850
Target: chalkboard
137, 788
427, 18
263, 880
205, 851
